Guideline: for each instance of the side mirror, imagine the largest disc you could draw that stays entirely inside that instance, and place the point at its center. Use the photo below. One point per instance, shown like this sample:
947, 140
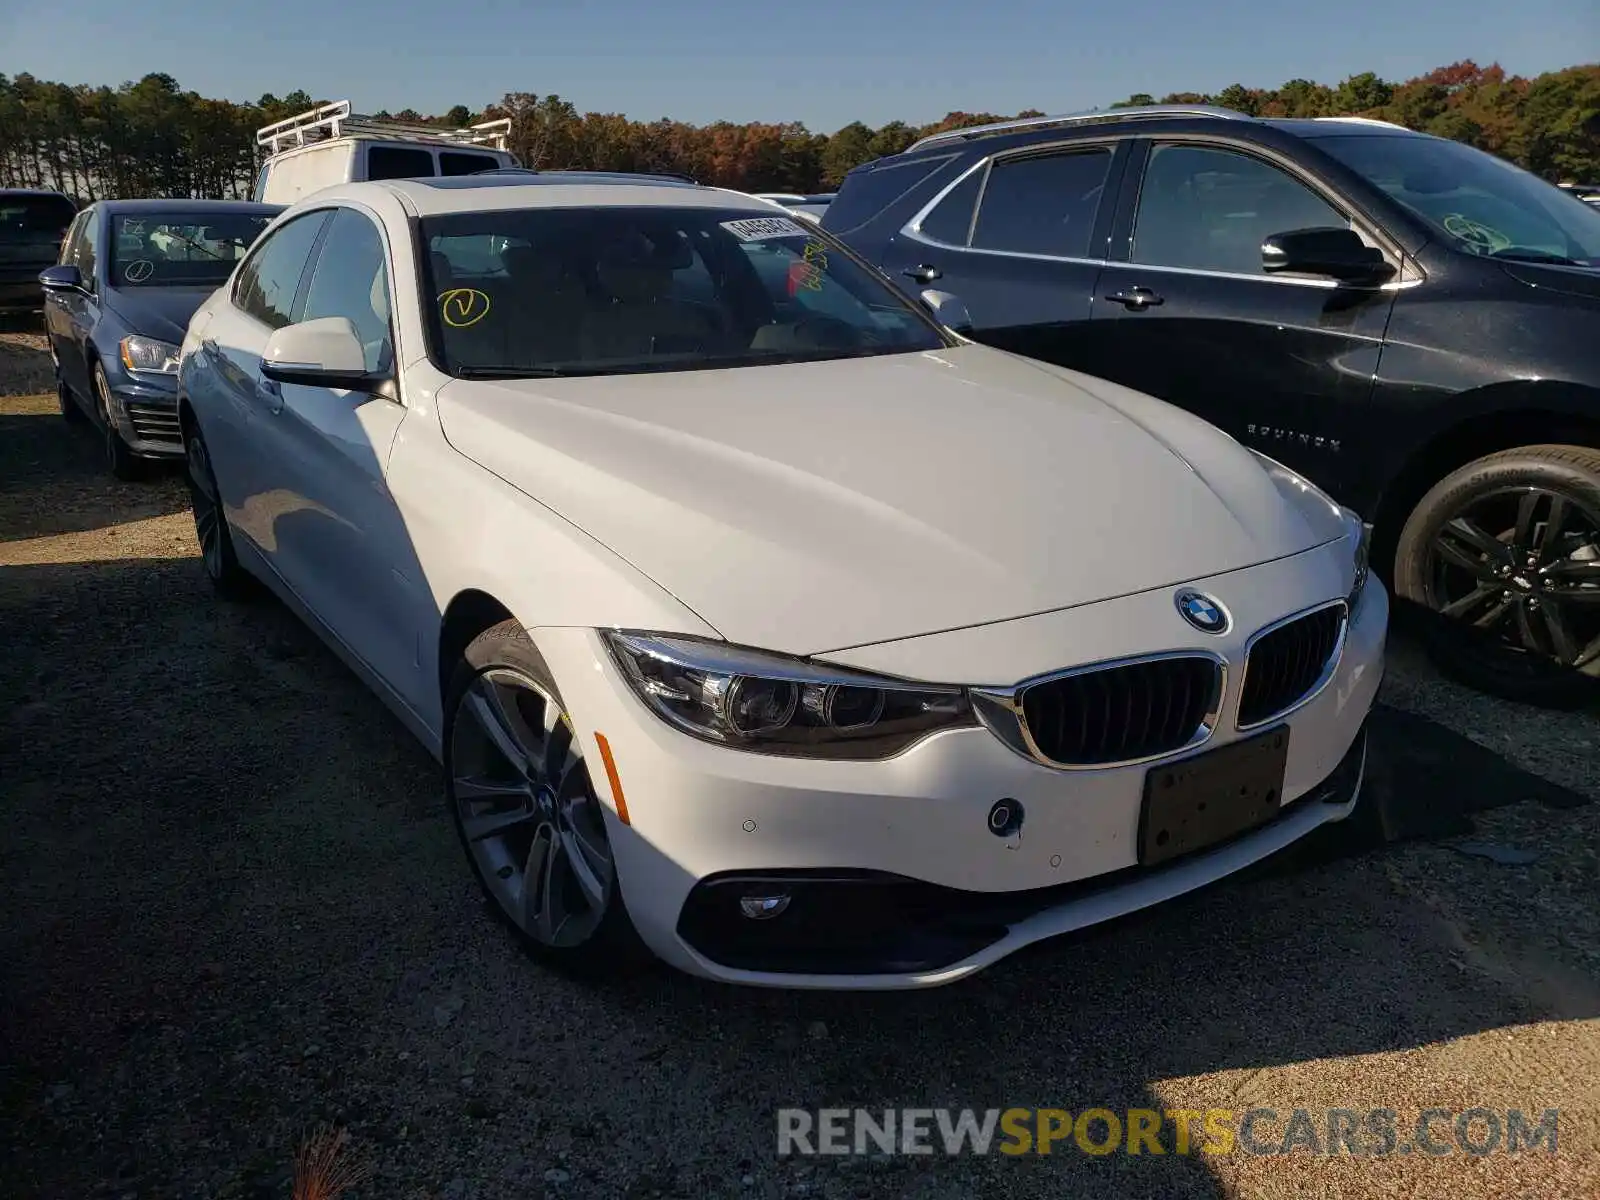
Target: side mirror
948, 309
1336, 253
65, 278
325, 353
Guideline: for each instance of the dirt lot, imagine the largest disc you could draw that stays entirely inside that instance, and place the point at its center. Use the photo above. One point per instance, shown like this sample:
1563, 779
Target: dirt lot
234, 908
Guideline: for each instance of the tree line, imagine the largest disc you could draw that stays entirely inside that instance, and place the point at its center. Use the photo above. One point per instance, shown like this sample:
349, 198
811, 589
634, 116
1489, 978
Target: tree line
151, 138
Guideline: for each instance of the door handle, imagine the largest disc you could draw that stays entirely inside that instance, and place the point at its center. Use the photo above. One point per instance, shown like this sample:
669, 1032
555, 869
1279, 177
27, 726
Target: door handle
922, 273
1136, 299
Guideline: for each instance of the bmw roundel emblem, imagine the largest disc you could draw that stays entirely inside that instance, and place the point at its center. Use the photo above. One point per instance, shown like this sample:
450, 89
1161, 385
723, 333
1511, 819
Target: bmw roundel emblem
1201, 611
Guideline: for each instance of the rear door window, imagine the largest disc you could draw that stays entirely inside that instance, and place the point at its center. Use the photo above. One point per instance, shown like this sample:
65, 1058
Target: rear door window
456, 162
399, 162
1043, 204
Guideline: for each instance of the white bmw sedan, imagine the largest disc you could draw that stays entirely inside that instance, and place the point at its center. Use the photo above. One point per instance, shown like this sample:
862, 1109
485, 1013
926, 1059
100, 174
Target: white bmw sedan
760, 621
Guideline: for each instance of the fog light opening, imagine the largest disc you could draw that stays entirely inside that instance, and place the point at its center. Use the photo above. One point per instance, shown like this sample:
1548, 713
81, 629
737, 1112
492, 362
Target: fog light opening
764, 906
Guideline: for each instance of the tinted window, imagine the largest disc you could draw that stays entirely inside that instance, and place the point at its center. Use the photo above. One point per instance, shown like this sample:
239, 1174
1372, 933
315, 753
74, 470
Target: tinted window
1043, 205
268, 282
350, 280
398, 162
69, 244
1209, 209
26, 218
867, 191
1484, 204
89, 247
951, 221
454, 162
179, 249
599, 291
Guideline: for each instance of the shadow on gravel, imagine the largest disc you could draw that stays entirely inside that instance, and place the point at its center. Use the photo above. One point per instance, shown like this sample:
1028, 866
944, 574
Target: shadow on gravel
55, 480
234, 906
24, 369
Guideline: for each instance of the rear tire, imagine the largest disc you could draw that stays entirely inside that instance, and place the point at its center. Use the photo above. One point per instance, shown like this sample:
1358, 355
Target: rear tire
1505, 555
524, 807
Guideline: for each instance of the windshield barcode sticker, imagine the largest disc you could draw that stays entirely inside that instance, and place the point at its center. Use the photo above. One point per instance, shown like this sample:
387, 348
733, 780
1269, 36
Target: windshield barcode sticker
759, 229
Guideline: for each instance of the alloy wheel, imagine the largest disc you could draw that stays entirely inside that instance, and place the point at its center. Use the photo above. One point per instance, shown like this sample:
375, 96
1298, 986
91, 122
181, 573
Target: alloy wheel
527, 811
1523, 563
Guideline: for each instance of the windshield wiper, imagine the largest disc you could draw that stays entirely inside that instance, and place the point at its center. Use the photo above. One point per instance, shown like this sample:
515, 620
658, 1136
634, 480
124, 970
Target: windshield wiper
1518, 254
520, 372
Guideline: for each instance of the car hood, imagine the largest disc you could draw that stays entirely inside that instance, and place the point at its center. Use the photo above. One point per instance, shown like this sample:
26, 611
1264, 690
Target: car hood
158, 312
814, 507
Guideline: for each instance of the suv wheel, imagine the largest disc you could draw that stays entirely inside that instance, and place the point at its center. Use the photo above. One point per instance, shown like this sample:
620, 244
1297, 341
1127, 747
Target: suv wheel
1509, 546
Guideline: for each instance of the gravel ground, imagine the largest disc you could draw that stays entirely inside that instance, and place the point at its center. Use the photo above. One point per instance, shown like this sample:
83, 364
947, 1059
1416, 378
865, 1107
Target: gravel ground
234, 910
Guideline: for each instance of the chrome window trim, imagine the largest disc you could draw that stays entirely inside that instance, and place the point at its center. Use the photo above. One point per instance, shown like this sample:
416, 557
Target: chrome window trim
999, 709
1329, 669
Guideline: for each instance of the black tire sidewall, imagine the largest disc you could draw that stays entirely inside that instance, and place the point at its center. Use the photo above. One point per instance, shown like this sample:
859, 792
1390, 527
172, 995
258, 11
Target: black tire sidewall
1479, 662
231, 581
615, 948
120, 458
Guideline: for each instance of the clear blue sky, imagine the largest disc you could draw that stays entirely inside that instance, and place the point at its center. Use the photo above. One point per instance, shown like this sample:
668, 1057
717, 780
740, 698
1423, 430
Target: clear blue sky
824, 62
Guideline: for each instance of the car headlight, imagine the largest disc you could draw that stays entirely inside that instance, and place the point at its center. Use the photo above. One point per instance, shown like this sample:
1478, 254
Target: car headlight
1361, 534
148, 355
773, 704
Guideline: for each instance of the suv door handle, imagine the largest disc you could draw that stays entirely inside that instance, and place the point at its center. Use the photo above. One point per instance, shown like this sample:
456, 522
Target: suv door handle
1136, 299
922, 273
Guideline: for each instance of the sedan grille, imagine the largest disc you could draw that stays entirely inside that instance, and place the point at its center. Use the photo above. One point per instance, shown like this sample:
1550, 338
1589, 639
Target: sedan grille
1287, 664
154, 422
1122, 713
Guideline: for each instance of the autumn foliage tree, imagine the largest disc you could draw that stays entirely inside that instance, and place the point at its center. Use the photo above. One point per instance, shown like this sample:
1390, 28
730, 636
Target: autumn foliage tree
151, 138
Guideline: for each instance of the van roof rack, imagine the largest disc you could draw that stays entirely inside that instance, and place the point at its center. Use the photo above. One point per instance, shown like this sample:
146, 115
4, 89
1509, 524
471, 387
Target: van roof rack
334, 120
1132, 113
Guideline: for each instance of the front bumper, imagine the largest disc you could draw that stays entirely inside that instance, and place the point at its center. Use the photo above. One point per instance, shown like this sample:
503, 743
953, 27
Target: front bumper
146, 413
921, 892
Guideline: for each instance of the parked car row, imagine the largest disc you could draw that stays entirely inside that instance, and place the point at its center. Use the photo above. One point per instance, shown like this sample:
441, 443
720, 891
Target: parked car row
767, 621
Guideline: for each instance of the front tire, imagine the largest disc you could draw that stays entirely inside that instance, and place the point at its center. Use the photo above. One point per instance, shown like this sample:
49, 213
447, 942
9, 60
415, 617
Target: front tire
121, 461
1509, 546
71, 413
525, 809
231, 581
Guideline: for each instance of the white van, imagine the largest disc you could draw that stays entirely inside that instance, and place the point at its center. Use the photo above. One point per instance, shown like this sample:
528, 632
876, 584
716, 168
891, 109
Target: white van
330, 144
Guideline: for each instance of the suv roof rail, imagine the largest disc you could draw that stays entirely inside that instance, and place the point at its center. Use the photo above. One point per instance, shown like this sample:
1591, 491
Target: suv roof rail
328, 121
1131, 113
1364, 121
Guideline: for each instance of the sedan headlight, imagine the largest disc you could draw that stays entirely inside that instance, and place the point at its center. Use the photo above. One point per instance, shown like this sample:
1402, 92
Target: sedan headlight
1361, 534
148, 355
769, 703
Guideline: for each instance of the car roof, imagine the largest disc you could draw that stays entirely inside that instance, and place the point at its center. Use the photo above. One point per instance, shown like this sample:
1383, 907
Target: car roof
180, 205
479, 193
33, 192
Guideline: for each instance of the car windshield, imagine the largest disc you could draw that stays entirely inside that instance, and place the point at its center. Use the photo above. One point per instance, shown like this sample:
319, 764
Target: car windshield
1483, 204
29, 218
599, 291
179, 249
